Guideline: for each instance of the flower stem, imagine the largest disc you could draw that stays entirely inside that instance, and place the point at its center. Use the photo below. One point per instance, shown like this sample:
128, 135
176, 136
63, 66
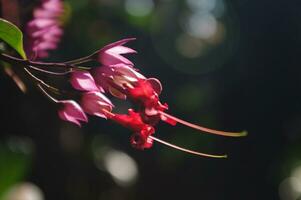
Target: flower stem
19, 61
50, 72
82, 59
79, 60
40, 81
46, 94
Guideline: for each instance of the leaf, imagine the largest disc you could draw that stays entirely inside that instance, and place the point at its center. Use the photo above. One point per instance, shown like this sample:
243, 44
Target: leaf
12, 35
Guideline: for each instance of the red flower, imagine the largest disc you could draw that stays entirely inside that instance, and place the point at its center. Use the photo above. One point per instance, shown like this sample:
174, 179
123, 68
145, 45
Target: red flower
133, 121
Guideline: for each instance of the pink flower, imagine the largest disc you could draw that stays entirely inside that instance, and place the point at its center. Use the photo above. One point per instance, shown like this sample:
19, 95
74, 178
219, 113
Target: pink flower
49, 9
72, 112
115, 79
95, 103
112, 53
44, 31
83, 81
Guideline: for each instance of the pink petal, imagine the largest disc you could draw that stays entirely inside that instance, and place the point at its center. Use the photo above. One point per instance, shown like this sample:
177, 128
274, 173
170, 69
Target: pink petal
128, 71
42, 23
99, 74
120, 50
104, 99
93, 103
75, 110
45, 45
42, 13
53, 5
44, 30
82, 80
109, 59
110, 54
72, 112
118, 43
46, 33
64, 116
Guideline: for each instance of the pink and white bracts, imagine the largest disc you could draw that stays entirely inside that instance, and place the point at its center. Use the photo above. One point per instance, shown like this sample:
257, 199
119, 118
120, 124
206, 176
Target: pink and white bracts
72, 112
44, 31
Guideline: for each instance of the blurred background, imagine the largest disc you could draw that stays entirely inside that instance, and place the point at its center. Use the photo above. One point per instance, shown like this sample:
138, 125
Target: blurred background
229, 65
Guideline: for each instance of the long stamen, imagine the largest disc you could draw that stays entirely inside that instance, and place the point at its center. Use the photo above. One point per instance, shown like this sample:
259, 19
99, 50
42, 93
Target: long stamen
108, 114
187, 150
204, 129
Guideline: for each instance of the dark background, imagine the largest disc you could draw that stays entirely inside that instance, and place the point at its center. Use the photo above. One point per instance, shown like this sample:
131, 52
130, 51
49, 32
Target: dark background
244, 76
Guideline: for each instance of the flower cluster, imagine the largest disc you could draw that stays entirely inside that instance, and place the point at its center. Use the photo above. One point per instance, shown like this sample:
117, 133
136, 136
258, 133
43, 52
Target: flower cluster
115, 76
44, 31
118, 77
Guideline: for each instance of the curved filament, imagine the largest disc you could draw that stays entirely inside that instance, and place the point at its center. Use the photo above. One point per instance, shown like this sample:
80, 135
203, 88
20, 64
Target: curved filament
204, 129
187, 150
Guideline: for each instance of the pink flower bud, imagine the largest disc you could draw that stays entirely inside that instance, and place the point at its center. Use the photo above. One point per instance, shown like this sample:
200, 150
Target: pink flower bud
111, 54
94, 103
83, 81
72, 112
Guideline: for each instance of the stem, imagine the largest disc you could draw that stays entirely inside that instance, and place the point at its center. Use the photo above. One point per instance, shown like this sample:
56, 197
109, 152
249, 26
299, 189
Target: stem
50, 72
54, 89
41, 82
79, 60
82, 59
47, 95
14, 60
204, 129
187, 150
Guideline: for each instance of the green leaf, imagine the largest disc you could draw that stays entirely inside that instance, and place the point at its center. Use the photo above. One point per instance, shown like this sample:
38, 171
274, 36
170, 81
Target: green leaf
12, 35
